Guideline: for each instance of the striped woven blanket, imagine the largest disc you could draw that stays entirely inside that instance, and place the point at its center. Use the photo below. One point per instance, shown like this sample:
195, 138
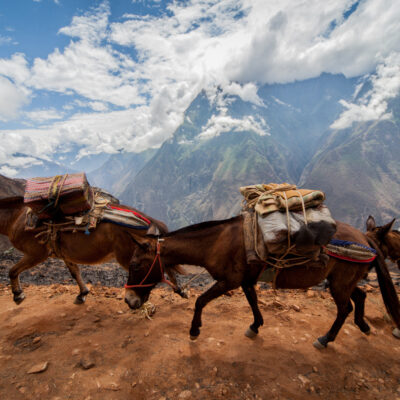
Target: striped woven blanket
43, 188
350, 251
68, 194
125, 217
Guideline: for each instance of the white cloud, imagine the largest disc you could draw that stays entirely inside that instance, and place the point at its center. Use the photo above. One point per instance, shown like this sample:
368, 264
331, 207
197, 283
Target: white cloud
11, 99
162, 62
44, 115
5, 40
373, 104
221, 123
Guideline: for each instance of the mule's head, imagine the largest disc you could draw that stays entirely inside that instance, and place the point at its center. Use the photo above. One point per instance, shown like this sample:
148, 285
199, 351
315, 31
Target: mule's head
145, 272
387, 239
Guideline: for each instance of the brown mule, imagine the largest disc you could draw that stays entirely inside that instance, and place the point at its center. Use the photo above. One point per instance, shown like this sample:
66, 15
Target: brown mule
218, 247
108, 241
388, 241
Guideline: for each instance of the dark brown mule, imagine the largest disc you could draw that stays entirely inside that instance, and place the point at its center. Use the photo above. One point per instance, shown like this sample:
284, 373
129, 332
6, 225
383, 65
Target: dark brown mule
388, 241
218, 247
386, 238
108, 241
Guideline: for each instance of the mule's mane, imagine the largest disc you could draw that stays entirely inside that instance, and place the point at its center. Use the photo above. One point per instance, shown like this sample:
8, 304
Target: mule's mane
200, 226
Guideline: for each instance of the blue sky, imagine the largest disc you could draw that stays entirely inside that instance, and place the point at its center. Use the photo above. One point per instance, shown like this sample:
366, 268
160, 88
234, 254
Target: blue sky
104, 75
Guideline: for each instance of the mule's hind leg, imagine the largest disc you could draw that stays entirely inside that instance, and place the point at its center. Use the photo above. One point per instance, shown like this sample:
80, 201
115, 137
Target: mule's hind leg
219, 288
76, 274
358, 296
251, 296
27, 261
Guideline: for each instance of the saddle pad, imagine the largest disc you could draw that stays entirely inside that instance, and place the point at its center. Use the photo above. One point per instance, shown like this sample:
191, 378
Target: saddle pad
125, 217
350, 251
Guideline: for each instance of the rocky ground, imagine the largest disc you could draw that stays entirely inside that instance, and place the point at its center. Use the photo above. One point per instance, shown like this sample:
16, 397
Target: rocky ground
53, 349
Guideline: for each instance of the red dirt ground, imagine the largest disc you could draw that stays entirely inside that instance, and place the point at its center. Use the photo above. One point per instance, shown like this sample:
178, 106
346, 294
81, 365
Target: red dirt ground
132, 357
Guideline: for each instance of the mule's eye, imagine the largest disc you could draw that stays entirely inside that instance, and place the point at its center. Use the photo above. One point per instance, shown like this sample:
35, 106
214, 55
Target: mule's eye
136, 267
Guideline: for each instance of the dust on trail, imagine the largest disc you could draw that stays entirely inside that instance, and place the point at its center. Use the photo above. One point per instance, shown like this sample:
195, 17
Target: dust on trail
103, 350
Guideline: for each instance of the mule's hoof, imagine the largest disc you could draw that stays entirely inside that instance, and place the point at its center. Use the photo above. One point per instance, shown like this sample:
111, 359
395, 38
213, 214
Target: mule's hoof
368, 332
19, 298
192, 337
79, 300
318, 345
250, 333
396, 333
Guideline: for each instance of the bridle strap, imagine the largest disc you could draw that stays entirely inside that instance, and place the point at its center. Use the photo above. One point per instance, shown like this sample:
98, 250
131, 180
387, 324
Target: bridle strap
157, 257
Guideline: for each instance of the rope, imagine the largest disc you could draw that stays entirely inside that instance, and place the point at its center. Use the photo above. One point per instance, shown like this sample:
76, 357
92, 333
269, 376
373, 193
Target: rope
303, 206
288, 219
60, 188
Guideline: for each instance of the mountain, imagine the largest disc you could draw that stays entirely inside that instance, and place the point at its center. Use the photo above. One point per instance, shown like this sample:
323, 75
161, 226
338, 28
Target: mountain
358, 168
226, 142
284, 135
119, 170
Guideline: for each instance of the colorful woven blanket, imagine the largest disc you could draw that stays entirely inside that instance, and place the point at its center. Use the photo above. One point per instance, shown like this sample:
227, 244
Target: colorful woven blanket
350, 251
125, 217
69, 194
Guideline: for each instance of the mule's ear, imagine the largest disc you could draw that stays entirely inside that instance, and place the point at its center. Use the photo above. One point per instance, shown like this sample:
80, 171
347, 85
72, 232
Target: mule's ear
385, 229
153, 230
371, 223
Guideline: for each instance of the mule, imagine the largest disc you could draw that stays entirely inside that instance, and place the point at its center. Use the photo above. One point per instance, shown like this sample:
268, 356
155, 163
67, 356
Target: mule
218, 247
386, 238
108, 241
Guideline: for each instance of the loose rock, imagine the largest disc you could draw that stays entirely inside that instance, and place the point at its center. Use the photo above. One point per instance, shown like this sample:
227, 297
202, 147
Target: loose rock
36, 369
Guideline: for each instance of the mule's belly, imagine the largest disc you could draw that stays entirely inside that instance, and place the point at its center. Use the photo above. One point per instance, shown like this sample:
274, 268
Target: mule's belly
86, 249
304, 276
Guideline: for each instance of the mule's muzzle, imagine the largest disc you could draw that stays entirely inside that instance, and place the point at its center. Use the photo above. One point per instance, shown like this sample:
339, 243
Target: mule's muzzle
132, 299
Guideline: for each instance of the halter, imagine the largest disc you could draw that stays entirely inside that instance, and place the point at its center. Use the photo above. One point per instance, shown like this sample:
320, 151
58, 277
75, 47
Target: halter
157, 257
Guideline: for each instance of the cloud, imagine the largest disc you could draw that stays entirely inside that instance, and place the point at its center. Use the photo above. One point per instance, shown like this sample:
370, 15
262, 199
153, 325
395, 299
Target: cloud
44, 115
221, 123
139, 73
373, 104
5, 40
11, 99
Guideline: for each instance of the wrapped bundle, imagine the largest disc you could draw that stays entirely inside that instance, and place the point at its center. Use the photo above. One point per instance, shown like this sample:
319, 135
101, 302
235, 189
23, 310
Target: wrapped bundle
276, 227
67, 194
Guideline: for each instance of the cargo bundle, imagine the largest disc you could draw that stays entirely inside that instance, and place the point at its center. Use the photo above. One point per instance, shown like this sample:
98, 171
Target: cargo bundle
50, 197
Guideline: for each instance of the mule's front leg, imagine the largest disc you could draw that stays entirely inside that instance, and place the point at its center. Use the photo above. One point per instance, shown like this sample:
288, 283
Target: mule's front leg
25, 263
251, 296
215, 291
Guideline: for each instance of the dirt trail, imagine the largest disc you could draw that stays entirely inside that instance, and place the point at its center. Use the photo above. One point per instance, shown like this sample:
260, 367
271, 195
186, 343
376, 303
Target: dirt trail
103, 350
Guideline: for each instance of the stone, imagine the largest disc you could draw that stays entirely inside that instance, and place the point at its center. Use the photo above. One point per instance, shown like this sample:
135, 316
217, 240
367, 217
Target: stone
295, 307
304, 380
186, 394
111, 386
86, 363
75, 352
37, 368
37, 339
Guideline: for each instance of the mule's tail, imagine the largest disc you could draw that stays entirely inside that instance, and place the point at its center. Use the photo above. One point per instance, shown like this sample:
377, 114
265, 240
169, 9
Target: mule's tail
388, 290
12, 202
